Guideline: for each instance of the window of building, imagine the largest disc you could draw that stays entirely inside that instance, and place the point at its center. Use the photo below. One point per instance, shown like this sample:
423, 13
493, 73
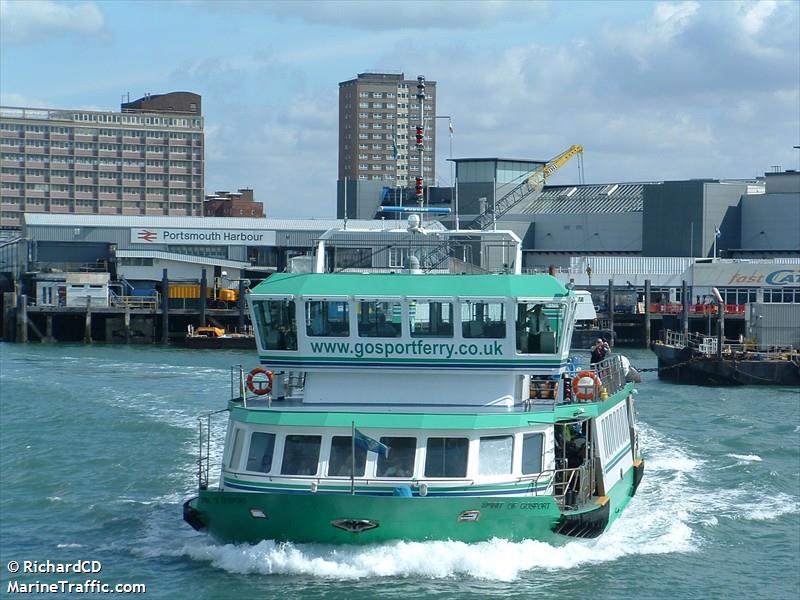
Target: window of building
276, 323
398, 256
353, 258
327, 318
340, 463
301, 455
446, 457
262, 449
495, 455
400, 459
532, 453
483, 320
430, 319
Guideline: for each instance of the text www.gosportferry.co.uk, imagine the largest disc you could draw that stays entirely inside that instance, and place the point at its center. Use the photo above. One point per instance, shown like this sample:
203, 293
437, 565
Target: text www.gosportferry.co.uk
415, 348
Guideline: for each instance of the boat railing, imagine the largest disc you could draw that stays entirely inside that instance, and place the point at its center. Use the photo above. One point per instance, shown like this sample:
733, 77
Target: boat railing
675, 338
570, 487
611, 373
707, 345
204, 450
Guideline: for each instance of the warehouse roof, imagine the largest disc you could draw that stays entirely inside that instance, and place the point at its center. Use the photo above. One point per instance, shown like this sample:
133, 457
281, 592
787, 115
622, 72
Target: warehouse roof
595, 198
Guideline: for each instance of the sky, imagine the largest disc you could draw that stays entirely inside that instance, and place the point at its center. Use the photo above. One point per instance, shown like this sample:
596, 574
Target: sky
653, 91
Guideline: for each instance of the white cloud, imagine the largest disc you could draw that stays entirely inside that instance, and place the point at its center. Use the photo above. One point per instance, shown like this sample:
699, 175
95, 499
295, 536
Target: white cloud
25, 21
14, 99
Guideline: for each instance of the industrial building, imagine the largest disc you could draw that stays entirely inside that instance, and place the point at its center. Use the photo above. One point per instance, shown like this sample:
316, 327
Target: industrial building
147, 159
140, 248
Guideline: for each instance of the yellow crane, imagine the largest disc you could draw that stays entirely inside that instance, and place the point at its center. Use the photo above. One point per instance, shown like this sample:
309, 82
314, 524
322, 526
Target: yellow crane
533, 183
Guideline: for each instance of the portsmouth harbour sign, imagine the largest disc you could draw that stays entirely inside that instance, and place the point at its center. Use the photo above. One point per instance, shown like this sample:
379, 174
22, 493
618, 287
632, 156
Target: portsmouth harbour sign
202, 237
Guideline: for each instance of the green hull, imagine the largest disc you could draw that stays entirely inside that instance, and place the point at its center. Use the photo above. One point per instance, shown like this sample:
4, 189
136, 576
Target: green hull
308, 518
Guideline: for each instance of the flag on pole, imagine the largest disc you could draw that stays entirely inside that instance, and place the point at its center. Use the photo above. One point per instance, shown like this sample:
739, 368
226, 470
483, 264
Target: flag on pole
369, 444
717, 232
450, 127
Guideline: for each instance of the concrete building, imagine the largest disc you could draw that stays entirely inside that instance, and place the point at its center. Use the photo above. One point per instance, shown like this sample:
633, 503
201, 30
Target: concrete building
770, 221
233, 204
378, 114
147, 159
139, 248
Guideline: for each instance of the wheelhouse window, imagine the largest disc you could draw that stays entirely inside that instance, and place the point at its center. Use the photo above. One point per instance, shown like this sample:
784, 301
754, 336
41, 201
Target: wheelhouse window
327, 318
276, 323
532, 453
495, 455
379, 319
430, 319
483, 320
341, 459
301, 454
262, 448
399, 461
446, 457
539, 327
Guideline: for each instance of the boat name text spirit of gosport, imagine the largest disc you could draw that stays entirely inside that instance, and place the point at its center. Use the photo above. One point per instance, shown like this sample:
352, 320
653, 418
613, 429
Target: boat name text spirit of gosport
418, 407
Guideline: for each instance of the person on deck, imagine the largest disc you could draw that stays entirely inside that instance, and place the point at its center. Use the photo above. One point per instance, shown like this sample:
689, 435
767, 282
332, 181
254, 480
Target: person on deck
600, 350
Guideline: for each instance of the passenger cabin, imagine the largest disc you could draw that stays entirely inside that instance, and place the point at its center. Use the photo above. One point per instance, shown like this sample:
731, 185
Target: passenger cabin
497, 337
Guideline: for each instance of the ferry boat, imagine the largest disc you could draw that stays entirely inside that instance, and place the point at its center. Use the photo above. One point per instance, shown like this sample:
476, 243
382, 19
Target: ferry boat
407, 406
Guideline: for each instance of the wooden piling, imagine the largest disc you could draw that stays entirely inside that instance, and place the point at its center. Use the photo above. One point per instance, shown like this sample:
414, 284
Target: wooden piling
87, 330
22, 319
242, 305
646, 313
685, 310
611, 310
203, 298
165, 308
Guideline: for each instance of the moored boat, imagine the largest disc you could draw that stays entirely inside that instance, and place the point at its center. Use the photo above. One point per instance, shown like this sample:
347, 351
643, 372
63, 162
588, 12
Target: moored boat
702, 360
419, 407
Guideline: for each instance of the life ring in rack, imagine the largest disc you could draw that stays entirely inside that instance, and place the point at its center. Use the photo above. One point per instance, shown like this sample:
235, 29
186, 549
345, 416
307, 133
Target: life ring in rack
260, 386
585, 380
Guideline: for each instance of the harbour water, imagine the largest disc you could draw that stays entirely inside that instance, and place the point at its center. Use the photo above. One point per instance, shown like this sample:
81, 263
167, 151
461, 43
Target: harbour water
97, 455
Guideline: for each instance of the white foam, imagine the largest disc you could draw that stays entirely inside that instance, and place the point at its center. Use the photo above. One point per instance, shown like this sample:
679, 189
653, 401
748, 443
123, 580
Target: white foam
55, 498
745, 458
70, 546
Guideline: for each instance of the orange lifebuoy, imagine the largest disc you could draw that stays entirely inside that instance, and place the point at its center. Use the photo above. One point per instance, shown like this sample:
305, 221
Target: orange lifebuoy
255, 386
576, 381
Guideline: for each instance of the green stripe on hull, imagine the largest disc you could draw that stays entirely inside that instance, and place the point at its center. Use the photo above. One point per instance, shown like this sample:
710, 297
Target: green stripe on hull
306, 518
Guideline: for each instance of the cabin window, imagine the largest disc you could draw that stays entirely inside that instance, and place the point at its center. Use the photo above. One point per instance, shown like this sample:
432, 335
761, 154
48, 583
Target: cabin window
327, 318
301, 454
236, 453
446, 457
262, 447
430, 319
539, 327
276, 323
341, 461
379, 319
483, 320
495, 455
399, 461
532, 453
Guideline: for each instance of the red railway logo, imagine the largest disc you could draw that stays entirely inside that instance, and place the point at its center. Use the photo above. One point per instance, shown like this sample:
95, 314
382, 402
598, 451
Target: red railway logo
147, 236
